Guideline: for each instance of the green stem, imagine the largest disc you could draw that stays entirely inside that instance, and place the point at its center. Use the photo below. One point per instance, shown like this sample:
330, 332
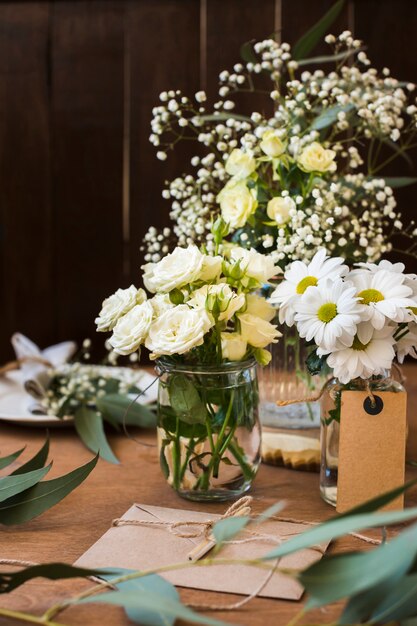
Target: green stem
26, 617
176, 457
246, 468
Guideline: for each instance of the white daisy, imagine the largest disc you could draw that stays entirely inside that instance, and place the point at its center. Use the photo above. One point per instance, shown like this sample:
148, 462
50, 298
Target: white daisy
385, 294
299, 277
371, 354
407, 342
329, 314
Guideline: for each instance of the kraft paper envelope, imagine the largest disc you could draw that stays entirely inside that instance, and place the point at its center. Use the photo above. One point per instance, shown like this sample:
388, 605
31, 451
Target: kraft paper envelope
145, 547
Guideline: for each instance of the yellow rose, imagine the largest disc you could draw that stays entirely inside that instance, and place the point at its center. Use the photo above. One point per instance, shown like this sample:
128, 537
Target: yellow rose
315, 158
279, 208
240, 164
237, 203
271, 144
256, 305
233, 346
258, 332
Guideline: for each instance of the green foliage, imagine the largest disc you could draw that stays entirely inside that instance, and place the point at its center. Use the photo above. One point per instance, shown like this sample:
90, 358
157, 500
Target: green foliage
399, 181
8, 460
12, 485
35, 462
53, 571
89, 426
186, 400
315, 363
309, 41
120, 409
329, 116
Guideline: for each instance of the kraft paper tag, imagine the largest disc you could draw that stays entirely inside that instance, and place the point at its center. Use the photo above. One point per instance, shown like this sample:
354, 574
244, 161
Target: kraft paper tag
371, 447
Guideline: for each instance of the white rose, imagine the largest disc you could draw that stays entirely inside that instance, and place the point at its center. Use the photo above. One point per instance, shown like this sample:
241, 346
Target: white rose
212, 267
181, 267
117, 305
131, 329
226, 299
161, 303
271, 144
177, 331
240, 164
237, 203
279, 208
315, 158
258, 332
256, 305
258, 266
233, 346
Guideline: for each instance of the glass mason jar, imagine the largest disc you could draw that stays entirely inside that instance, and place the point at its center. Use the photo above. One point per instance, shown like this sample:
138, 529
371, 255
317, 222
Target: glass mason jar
330, 426
209, 433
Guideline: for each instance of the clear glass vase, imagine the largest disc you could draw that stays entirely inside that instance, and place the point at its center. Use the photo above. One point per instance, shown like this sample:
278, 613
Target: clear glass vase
330, 426
209, 433
290, 433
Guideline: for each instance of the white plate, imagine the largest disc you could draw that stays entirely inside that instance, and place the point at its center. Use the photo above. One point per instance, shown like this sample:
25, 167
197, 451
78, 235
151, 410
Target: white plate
15, 402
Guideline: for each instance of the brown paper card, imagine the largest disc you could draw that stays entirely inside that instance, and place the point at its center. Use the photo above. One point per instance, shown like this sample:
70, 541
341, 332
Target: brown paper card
144, 547
371, 449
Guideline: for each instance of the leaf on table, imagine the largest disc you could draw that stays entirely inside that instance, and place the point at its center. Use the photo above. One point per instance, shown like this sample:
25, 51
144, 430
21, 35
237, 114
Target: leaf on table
156, 603
311, 38
52, 571
35, 501
226, 529
5, 461
270, 512
121, 409
89, 426
12, 485
36, 462
186, 401
355, 572
152, 583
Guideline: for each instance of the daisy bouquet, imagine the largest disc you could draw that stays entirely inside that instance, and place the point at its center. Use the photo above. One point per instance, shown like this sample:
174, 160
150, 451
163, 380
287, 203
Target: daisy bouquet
206, 327
302, 171
357, 321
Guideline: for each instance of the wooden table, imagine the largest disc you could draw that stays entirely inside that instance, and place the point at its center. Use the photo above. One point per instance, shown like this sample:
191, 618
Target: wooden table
67, 530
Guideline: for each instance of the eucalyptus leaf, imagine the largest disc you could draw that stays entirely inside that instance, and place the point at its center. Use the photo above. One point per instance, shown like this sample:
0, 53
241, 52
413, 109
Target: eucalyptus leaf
315, 363
35, 501
123, 410
360, 606
12, 485
186, 401
329, 58
5, 461
224, 116
329, 116
355, 572
336, 527
35, 462
398, 181
400, 602
52, 571
152, 583
308, 42
226, 529
141, 601
270, 512
247, 52
89, 426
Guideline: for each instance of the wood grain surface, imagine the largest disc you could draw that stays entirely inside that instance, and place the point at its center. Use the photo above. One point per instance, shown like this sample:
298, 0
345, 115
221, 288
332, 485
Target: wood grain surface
67, 530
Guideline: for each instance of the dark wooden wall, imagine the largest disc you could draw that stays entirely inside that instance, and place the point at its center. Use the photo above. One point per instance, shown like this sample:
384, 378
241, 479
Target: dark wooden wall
79, 182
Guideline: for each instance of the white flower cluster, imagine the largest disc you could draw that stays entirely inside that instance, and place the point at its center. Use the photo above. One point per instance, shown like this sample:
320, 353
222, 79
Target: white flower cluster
359, 320
200, 300
307, 157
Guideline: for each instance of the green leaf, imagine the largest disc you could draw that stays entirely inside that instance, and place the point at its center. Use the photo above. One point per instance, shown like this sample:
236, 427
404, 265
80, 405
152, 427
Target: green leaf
329, 116
186, 401
153, 584
338, 527
89, 426
7, 460
52, 571
121, 409
247, 52
224, 116
315, 363
398, 181
35, 462
343, 575
328, 58
227, 528
270, 512
308, 42
400, 602
12, 485
166, 608
35, 501
162, 459
360, 606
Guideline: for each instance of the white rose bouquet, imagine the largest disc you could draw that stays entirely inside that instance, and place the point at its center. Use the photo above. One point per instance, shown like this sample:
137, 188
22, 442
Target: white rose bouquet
358, 321
205, 325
